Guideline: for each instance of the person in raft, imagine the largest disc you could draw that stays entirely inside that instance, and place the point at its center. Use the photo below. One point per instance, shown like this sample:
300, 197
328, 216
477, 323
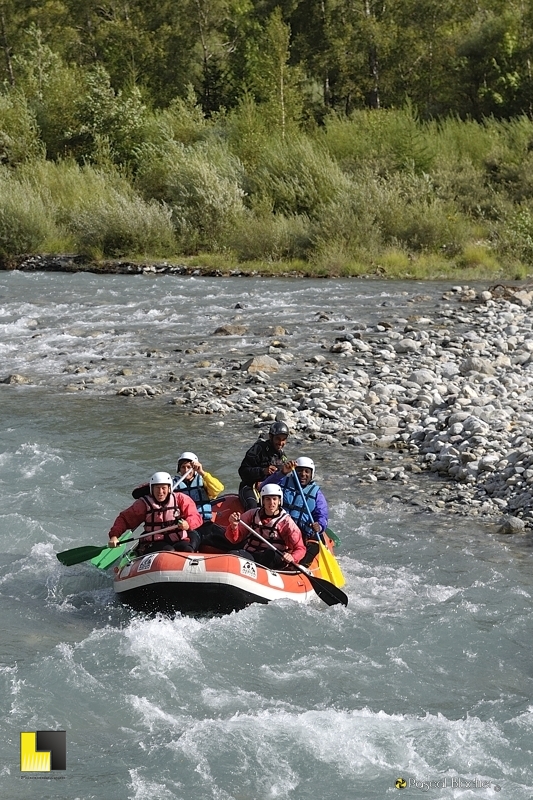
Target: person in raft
262, 459
200, 486
294, 504
273, 523
170, 518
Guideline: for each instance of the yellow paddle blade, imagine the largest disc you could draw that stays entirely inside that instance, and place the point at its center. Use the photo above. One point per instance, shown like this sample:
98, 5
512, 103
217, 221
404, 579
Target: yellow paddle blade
329, 567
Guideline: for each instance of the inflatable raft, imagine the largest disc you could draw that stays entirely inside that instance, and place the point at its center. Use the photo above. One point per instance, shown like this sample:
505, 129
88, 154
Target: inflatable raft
220, 582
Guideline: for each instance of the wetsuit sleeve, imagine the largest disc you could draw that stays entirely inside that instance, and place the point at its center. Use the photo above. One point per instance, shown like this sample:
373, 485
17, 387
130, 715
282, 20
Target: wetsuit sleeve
252, 466
129, 519
320, 512
292, 536
188, 510
212, 485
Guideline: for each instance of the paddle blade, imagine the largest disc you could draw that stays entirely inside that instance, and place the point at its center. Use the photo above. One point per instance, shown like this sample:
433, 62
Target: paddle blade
79, 554
328, 592
329, 566
110, 555
333, 536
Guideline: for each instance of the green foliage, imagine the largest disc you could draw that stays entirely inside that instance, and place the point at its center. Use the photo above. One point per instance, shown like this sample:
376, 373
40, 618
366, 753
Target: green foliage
515, 239
246, 132
270, 237
182, 121
123, 226
275, 82
201, 186
393, 140
99, 211
25, 220
296, 176
19, 139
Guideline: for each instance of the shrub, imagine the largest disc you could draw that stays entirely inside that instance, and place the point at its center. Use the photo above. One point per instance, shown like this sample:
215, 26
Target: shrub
349, 224
19, 137
70, 187
391, 139
201, 186
410, 213
125, 226
515, 238
182, 121
270, 237
296, 176
25, 222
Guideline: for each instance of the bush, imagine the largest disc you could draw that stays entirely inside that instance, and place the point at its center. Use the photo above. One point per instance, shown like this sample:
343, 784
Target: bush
70, 187
391, 140
25, 223
410, 213
201, 186
19, 137
349, 225
270, 237
183, 121
296, 176
515, 238
125, 226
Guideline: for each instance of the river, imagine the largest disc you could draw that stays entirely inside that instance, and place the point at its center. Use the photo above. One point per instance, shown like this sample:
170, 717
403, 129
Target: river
425, 676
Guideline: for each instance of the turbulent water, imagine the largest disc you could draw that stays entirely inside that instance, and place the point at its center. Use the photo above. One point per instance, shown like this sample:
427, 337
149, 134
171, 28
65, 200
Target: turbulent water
425, 676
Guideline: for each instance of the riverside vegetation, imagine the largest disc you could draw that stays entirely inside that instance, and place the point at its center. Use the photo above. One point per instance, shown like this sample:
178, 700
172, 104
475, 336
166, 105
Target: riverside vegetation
296, 164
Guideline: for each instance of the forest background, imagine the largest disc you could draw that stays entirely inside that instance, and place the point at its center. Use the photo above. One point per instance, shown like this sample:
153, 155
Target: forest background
326, 137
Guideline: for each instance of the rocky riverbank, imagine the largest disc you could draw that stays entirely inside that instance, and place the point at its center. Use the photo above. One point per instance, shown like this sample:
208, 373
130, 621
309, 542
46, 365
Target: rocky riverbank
451, 392
436, 395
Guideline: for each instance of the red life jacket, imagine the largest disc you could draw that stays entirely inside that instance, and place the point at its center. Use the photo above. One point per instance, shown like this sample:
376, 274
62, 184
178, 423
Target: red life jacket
268, 528
158, 517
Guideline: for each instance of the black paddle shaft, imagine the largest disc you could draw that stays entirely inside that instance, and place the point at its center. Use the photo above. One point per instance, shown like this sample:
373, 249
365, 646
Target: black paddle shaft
328, 592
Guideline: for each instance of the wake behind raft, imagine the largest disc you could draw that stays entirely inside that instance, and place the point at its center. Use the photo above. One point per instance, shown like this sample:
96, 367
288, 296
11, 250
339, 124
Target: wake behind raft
217, 582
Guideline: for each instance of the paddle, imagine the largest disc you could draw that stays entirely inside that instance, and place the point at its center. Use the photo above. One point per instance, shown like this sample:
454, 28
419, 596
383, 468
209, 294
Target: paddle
327, 562
104, 557
327, 591
85, 553
111, 555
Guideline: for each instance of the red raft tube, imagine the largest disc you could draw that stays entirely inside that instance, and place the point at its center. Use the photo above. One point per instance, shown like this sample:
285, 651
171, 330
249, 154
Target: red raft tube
218, 582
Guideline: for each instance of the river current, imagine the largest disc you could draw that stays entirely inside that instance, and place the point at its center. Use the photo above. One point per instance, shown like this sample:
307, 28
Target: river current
426, 675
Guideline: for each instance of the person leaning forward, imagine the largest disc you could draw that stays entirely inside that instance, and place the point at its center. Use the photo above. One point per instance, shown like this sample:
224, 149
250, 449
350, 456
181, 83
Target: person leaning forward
289, 475
262, 459
170, 518
273, 524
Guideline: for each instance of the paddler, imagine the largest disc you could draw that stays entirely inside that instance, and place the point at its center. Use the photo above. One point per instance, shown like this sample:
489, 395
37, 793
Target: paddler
296, 506
170, 518
202, 487
273, 523
262, 459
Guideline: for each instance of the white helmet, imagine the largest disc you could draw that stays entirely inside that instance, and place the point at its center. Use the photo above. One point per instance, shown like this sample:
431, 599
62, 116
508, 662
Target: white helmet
306, 462
188, 456
272, 490
160, 477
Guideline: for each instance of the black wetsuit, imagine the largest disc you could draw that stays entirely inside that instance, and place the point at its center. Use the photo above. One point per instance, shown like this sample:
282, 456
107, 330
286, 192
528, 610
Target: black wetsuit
252, 470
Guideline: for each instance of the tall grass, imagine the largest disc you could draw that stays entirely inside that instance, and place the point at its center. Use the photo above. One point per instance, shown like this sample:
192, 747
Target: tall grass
25, 219
99, 212
296, 176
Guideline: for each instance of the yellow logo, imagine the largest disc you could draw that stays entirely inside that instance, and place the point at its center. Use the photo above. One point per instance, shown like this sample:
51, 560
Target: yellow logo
42, 751
401, 783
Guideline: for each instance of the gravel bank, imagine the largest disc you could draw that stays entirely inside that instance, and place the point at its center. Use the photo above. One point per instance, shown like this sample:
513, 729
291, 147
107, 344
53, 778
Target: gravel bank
443, 394
452, 393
